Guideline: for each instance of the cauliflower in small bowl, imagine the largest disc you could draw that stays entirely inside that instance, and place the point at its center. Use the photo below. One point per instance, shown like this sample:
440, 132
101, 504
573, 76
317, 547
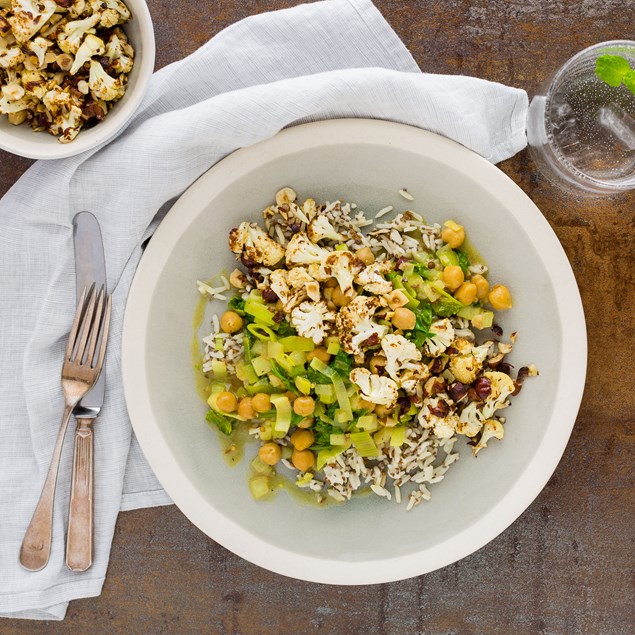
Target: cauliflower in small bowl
76, 69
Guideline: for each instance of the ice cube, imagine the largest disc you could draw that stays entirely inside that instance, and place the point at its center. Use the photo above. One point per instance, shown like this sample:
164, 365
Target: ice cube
619, 123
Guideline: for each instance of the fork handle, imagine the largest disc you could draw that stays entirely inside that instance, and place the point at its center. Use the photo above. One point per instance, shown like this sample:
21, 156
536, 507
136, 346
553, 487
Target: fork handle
36, 545
79, 540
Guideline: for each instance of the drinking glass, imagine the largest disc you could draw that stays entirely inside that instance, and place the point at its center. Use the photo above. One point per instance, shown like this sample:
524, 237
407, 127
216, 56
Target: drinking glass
581, 131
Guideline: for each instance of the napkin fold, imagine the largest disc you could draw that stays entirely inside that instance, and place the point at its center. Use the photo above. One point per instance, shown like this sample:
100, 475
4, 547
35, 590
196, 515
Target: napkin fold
337, 58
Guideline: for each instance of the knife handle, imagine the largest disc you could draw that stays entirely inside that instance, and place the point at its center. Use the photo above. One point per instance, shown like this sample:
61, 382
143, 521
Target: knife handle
79, 539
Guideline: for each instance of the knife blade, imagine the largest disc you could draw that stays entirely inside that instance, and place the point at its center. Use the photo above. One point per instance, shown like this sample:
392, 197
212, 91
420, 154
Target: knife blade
90, 268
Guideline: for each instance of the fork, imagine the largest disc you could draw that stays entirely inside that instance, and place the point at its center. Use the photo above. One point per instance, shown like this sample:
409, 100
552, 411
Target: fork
82, 365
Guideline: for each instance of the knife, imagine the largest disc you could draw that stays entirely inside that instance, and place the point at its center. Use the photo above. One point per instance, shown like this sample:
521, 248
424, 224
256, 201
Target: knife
90, 268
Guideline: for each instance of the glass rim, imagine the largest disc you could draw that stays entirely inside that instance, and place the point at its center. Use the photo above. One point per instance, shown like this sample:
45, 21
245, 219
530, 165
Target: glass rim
616, 186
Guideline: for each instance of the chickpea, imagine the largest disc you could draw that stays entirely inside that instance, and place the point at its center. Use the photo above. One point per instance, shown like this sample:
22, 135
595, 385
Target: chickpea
365, 255
270, 453
302, 439
404, 319
226, 401
382, 411
237, 279
246, 409
466, 293
261, 402
320, 353
331, 283
304, 406
453, 277
285, 196
302, 460
377, 363
454, 236
339, 299
482, 286
231, 322
500, 297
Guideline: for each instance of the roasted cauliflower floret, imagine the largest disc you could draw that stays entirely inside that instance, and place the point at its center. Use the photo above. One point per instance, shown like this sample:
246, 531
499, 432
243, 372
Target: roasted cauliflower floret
372, 280
91, 47
251, 242
465, 368
401, 354
312, 320
444, 427
111, 12
502, 386
343, 266
375, 388
39, 46
119, 52
68, 124
70, 39
470, 420
320, 228
443, 336
29, 16
299, 278
491, 429
301, 251
103, 86
11, 57
356, 327
289, 297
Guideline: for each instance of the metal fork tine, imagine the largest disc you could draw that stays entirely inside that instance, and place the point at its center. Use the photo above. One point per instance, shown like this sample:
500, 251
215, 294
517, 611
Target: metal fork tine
87, 321
72, 338
104, 335
96, 328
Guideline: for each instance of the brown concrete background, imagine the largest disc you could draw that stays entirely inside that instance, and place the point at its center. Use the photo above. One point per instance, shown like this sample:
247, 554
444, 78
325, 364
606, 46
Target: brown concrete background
565, 567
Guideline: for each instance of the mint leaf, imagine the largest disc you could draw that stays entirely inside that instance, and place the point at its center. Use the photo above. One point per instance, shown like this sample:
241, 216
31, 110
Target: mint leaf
612, 69
629, 81
223, 423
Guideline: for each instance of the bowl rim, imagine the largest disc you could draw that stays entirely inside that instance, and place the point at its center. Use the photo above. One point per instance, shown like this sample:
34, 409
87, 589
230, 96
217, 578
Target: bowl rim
310, 568
40, 146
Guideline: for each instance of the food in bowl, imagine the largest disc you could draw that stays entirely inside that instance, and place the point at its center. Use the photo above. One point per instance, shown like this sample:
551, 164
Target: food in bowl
63, 63
350, 352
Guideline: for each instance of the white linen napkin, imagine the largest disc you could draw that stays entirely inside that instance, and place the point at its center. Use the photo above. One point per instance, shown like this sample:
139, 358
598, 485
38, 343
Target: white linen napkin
337, 58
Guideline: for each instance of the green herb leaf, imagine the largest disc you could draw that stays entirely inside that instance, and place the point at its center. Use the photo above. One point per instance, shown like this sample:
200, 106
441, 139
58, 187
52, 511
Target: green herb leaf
464, 261
285, 329
629, 81
237, 304
612, 69
288, 383
223, 423
421, 331
425, 272
341, 364
316, 377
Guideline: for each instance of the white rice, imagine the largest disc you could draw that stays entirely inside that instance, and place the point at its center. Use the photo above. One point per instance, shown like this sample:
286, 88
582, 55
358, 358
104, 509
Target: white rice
407, 195
383, 211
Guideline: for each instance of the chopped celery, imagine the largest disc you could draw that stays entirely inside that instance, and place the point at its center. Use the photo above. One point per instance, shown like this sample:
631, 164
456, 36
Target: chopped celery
219, 344
364, 444
382, 436
275, 381
368, 423
303, 385
304, 480
333, 346
259, 466
283, 412
261, 365
468, 312
261, 331
259, 347
297, 357
321, 367
286, 451
447, 256
285, 362
339, 439
297, 343
260, 312
325, 393
343, 399
398, 436
274, 348
341, 247
483, 320
265, 432
341, 416
327, 455
260, 386
260, 486
430, 292
241, 392
219, 368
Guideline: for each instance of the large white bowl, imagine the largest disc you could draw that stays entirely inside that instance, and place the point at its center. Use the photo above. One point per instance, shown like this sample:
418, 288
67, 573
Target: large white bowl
370, 540
21, 140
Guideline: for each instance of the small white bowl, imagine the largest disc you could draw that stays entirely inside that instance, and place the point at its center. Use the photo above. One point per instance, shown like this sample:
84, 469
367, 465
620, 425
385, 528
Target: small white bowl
21, 140
369, 540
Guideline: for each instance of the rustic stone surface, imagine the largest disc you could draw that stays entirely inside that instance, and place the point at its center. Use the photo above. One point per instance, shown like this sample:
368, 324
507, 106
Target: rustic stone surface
566, 565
